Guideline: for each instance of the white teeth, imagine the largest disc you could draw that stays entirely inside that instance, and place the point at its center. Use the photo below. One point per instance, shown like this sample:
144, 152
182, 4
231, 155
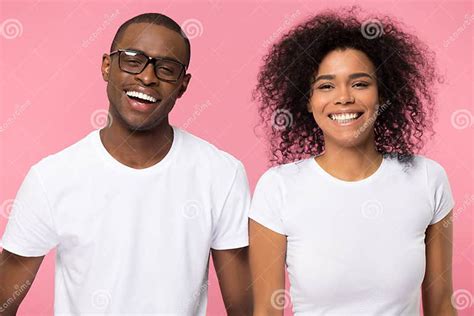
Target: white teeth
343, 117
142, 96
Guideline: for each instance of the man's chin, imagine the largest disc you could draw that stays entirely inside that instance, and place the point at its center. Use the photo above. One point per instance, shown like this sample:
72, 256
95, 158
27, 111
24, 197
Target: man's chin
134, 123
142, 127
139, 129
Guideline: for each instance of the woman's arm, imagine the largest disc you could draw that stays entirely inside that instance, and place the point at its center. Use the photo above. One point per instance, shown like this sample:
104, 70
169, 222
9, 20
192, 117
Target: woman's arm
267, 268
437, 287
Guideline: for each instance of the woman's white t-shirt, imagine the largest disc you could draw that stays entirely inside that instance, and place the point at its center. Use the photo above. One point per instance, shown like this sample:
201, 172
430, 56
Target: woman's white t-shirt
354, 248
131, 241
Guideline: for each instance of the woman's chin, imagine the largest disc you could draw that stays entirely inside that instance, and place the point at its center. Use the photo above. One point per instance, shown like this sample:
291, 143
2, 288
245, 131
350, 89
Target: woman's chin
349, 139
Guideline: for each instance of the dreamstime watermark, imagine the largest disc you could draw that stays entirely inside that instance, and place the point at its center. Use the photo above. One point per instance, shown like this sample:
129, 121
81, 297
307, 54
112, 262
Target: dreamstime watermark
101, 118
462, 119
280, 299
282, 119
202, 289
11, 28
192, 28
371, 209
216, 5
101, 299
192, 303
19, 289
468, 19
371, 29
372, 119
462, 299
198, 110
287, 22
18, 111
192, 209
457, 212
95, 35
7, 208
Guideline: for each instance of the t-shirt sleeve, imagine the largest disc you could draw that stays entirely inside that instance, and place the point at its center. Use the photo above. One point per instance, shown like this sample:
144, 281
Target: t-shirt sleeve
29, 231
231, 230
267, 202
440, 193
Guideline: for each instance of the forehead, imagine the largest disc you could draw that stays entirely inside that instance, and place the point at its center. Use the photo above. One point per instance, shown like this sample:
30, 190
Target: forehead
154, 40
346, 61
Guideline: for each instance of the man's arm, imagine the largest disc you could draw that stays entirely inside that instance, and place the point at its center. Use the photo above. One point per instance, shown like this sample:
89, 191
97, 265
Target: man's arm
232, 269
437, 285
16, 276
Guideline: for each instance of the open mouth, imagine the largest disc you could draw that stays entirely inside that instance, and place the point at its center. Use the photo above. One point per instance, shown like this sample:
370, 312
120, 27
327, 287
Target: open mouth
345, 118
141, 97
141, 101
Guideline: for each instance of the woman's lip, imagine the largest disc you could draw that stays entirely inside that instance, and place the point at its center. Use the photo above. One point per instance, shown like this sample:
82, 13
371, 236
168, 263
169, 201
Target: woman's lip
141, 106
337, 113
347, 123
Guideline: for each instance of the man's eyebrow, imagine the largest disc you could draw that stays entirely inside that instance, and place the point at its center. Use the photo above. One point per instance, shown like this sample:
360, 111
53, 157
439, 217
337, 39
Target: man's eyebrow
134, 50
351, 76
142, 52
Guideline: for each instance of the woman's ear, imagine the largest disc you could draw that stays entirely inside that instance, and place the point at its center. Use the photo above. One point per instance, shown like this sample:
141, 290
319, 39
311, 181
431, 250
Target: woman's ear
382, 106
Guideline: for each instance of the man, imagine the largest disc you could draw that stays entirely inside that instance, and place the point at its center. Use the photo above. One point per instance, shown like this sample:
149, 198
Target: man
136, 208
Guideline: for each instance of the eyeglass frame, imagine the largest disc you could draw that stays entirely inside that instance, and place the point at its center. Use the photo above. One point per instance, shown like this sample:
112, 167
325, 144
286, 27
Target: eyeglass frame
151, 60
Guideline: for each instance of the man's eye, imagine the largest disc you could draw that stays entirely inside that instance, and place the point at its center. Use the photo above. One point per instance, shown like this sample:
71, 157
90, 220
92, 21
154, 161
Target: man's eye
166, 70
133, 62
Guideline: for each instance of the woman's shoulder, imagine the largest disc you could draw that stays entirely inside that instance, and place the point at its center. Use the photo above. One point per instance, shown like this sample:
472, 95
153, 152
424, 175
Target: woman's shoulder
419, 165
288, 170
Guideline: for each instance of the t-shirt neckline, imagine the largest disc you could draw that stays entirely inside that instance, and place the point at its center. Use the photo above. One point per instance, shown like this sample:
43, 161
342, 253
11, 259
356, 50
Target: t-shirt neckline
114, 163
380, 170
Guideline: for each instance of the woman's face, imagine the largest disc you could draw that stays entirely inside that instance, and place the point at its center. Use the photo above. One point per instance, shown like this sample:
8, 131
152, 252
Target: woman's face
345, 98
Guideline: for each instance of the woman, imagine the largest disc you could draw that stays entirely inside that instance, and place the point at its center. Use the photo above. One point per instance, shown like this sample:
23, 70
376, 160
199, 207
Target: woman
351, 210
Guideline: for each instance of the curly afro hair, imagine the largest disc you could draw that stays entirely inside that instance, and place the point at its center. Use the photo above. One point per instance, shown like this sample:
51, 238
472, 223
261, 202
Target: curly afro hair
405, 75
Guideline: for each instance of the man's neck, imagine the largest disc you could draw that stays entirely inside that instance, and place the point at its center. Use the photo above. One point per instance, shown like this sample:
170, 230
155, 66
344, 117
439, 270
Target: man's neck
138, 149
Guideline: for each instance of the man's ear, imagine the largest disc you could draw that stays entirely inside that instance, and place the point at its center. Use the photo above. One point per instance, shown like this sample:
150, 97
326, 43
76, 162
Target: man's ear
105, 68
184, 85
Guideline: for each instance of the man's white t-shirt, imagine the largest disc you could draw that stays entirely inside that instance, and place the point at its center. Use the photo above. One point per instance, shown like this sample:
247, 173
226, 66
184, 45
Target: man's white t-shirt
354, 248
131, 241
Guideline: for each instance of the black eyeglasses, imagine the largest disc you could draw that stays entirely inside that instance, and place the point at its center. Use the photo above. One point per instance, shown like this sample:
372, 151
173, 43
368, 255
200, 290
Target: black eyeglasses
134, 62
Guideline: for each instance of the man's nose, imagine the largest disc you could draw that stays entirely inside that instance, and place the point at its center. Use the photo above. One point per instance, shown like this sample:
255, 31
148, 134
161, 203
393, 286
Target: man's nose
148, 76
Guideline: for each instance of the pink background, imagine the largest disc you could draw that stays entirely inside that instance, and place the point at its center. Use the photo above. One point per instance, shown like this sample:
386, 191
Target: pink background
51, 88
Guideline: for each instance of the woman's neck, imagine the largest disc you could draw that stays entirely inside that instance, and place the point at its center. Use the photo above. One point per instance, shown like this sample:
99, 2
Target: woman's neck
350, 163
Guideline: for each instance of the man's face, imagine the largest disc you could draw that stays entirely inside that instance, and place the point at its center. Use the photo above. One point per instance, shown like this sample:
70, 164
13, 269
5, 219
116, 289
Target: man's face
154, 41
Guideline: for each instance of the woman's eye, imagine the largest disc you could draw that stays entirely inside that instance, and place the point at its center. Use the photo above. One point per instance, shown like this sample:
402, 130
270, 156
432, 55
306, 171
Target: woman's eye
361, 84
325, 87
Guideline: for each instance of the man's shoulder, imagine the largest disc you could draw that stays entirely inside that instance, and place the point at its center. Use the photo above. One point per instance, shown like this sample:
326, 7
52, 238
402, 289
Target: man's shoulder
203, 152
69, 157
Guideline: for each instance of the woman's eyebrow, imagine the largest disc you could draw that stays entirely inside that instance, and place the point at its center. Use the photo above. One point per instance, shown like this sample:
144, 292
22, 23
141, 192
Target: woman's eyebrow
351, 76
360, 74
